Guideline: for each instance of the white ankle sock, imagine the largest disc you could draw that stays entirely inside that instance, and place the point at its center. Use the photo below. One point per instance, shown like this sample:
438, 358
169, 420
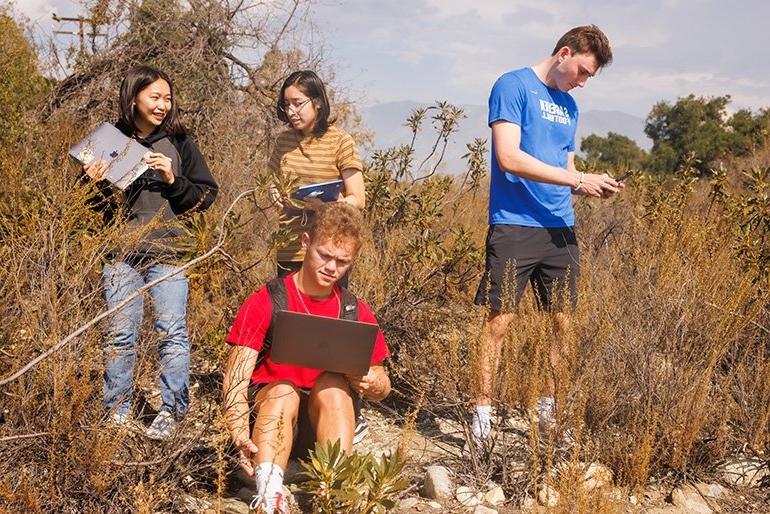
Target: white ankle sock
481, 422
546, 409
269, 479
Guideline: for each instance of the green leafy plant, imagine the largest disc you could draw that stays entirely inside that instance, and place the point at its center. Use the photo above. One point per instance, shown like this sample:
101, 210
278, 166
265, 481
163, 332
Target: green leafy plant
353, 482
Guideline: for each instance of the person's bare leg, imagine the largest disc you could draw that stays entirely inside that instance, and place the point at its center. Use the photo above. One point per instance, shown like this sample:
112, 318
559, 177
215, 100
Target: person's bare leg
493, 337
277, 409
495, 330
331, 410
559, 344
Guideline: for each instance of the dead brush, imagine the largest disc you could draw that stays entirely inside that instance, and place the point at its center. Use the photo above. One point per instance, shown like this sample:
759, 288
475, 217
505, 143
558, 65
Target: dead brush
665, 369
668, 368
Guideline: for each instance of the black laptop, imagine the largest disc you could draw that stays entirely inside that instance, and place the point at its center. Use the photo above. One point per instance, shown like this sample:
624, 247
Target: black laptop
318, 342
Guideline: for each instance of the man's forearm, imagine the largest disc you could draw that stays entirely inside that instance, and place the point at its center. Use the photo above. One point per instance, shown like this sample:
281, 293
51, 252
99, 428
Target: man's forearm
522, 164
237, 414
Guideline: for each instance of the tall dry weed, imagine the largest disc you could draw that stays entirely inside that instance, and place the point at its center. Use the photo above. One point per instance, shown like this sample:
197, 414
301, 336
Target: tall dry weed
667, 367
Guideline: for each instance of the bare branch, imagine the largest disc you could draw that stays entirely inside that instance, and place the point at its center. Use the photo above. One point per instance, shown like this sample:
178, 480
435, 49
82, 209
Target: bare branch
56, 347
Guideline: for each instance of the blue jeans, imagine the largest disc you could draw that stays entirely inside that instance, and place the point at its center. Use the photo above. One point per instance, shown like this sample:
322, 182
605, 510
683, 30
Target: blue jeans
169, 301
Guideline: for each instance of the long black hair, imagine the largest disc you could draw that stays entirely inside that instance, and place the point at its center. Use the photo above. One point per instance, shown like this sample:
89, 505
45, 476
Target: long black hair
138, 78
312, 85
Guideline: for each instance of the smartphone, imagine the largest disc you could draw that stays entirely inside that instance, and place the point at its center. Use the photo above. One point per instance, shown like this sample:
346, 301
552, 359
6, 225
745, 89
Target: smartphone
624, 176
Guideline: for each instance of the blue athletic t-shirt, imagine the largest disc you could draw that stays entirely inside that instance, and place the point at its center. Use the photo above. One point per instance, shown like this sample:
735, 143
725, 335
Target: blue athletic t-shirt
548, 119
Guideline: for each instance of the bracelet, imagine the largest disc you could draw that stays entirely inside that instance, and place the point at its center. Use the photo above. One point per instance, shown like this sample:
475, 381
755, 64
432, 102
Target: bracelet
580, 182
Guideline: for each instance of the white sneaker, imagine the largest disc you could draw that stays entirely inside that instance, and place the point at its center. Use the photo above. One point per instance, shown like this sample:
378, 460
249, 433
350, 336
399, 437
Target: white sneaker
546, 416
162, 427
123, 420
120, 419
361, 430
271, 504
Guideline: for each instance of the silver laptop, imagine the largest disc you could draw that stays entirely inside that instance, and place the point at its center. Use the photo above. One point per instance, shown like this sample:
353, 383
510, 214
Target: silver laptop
318, 342
124, 155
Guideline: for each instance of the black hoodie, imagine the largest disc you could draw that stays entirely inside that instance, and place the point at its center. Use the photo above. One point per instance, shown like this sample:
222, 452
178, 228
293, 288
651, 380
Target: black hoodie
149, 199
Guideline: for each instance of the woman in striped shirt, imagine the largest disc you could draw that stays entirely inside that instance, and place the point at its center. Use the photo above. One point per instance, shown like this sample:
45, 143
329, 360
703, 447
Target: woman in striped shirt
313, 150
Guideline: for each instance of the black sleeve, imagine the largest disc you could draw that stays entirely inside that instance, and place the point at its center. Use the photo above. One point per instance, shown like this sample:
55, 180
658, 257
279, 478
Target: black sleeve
100, 198
195, 188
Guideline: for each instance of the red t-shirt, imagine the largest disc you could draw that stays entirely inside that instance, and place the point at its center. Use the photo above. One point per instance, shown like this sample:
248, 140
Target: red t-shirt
253, 320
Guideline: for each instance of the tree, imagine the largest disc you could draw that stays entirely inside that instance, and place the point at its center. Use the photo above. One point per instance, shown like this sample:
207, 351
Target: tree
615, 151
21, 84
692, 125
748, 131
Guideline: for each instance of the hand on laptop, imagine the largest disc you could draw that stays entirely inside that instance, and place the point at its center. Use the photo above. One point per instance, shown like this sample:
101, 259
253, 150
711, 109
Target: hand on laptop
161, 164
375, 385
96, 169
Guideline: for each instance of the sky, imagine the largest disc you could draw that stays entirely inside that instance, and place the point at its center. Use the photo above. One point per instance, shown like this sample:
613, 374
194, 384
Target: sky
426, 50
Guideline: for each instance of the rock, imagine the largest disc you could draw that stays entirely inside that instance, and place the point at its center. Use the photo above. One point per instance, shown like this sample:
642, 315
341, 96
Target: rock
192, 504
518, 423
408, 503
710, 490
234, 506
548, 496
529, 504
689, 499
468, 497
293, 474
438, 483
449, 427
633, 500
435, 505
517, 470
495, 496
597, 476
245, 494
616, 494
744, 472
480, 509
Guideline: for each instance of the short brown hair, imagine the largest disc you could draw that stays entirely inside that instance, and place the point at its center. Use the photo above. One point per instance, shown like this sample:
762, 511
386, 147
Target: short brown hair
338, 221
587, 39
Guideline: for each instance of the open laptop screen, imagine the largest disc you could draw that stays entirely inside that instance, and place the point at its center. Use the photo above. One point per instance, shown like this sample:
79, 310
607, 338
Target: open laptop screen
318, 342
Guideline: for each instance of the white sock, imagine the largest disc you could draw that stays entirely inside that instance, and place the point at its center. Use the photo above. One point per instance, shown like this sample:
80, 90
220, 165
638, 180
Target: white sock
269, 480
481, 422
546, 409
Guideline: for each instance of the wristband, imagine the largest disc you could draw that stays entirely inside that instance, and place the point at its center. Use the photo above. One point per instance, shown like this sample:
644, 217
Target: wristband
580, 182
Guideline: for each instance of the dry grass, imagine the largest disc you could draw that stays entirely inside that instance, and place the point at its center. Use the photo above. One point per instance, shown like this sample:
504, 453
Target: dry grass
667, 368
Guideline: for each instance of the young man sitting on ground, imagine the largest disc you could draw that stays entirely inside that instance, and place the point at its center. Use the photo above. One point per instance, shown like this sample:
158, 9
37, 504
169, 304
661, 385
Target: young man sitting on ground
290, 400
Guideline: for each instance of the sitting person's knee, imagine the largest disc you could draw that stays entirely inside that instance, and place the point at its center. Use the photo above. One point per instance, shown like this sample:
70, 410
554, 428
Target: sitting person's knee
331, 389
329, 380
281, 395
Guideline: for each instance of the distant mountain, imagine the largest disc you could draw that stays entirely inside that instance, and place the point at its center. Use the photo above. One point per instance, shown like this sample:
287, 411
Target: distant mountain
601, 122
387, 120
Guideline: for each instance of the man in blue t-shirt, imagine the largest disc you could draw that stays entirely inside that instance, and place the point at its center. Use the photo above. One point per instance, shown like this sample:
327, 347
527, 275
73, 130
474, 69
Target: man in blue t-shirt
531, 221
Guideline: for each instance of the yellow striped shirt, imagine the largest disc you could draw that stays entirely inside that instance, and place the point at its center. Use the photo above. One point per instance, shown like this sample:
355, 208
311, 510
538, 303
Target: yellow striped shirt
313, 160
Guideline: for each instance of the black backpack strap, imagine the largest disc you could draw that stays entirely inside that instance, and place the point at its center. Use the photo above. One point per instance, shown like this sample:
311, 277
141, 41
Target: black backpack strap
279, 301
348, 305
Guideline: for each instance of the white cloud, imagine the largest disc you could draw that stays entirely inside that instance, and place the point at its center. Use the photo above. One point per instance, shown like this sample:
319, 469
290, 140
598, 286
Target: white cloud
455, 49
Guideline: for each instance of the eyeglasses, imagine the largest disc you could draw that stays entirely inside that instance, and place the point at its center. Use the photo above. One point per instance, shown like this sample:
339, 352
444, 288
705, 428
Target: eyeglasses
292, 107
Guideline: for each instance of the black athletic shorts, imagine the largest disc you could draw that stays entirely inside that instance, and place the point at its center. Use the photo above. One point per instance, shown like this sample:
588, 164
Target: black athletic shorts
546, 257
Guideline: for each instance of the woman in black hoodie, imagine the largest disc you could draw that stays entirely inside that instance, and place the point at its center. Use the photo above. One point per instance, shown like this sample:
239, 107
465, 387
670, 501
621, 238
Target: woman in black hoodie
178, 182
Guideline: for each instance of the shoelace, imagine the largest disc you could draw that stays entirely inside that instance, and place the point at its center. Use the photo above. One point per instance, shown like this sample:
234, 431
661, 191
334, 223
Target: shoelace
274, 505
